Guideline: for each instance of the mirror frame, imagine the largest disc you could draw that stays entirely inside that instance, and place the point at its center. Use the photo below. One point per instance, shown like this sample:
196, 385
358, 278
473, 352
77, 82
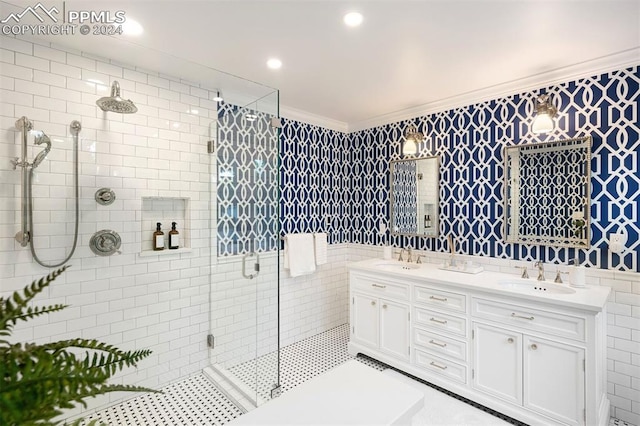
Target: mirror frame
544, 240
392, 197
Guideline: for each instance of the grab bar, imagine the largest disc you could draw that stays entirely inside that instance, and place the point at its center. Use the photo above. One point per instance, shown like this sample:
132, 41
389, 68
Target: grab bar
24, 125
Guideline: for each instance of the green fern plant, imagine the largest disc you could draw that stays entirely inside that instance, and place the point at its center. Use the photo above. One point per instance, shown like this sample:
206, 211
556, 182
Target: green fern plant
37, 381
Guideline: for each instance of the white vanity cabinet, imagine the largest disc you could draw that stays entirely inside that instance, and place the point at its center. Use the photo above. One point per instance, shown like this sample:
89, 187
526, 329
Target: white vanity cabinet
543, 371
380, 316
524, 356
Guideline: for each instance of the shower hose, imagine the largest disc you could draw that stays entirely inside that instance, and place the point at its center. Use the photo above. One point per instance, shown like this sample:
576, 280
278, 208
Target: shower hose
75, 128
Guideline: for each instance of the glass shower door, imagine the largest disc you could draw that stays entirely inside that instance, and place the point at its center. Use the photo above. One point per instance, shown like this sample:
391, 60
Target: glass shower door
245, 245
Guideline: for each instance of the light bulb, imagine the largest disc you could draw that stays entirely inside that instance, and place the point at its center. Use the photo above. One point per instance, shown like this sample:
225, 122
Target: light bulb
542, 123
274, 63
353, 19
410, 147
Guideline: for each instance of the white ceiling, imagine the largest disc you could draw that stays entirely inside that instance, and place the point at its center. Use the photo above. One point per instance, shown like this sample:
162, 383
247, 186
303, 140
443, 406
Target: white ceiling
406, 56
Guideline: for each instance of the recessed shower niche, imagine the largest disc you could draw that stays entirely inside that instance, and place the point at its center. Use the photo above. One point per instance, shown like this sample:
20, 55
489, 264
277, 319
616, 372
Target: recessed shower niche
165, 210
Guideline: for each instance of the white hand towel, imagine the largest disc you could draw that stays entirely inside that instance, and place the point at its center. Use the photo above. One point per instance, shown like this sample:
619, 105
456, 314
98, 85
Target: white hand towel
299, 255
320, 240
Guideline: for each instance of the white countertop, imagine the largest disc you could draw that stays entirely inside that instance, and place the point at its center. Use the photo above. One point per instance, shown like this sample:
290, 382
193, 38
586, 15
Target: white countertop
592, 298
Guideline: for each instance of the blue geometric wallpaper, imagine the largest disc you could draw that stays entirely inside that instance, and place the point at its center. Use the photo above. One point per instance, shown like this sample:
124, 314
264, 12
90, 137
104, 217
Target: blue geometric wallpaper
315, 180
339, 183
247, 182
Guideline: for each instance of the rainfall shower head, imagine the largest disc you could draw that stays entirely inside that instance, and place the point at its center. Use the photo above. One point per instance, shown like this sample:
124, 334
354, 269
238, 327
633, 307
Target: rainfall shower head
115, 103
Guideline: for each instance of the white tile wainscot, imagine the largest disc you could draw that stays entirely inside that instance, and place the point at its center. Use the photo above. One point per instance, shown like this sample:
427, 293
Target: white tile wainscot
537, 356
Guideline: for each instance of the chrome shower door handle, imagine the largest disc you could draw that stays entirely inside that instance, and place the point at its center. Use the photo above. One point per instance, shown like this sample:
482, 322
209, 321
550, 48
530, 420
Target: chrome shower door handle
256, 265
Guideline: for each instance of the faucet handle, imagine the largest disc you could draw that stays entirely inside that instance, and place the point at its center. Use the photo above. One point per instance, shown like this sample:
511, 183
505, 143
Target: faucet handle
525, 273
558, 277
419, 260
399, 253
540, 267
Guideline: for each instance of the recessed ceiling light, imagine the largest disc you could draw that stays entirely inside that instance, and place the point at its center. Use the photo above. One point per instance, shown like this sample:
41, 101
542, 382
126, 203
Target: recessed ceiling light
274, 63
131, 27
353, 19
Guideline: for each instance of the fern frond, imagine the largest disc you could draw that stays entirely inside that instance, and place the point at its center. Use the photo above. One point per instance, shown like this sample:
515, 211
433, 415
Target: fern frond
12, 309
36, 311
37, 382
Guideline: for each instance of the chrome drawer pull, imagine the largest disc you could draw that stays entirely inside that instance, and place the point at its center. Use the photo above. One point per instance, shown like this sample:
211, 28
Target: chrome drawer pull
379, 286
438, 321
384, 306
510, 340
442, 345
441, 367
513, 315
534, 347
444, 299
373, 303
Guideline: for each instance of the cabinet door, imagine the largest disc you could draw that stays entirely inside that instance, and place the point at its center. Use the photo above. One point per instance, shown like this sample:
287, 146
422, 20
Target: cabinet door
394, 328
497, 362
554, 379
365, 319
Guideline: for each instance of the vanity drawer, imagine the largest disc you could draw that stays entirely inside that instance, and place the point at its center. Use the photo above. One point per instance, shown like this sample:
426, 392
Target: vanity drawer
437, 365
441, 322
441, 345
532, 319
440, 299
381, 287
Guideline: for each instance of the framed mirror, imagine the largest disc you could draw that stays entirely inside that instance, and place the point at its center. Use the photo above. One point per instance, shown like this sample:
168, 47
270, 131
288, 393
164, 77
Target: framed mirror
415, 197
547, 193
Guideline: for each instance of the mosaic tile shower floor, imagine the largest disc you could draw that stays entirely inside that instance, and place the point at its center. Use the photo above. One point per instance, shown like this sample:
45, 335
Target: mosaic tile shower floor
196, 401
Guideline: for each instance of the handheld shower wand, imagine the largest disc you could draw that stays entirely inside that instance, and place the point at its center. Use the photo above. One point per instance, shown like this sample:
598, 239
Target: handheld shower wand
40, 139
25, 235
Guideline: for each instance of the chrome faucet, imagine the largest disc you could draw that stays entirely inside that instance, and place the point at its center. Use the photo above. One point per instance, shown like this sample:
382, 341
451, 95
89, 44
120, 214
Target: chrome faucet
524, 274
540, 266
409, 257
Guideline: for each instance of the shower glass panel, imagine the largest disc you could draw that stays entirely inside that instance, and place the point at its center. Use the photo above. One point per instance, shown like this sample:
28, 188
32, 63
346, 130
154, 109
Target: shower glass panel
245, 238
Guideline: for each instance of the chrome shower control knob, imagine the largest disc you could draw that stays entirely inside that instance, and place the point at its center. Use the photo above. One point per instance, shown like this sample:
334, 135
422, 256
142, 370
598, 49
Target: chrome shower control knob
105, 196
105, 243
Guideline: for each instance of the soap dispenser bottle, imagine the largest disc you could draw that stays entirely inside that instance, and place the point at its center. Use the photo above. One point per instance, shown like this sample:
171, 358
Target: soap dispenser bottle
173, 237
158, 238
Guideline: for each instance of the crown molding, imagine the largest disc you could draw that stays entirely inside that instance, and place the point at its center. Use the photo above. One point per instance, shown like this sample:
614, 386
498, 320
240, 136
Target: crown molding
314, 119
589, 68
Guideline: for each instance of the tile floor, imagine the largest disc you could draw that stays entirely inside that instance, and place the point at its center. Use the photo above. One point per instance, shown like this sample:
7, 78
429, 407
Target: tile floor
196, 401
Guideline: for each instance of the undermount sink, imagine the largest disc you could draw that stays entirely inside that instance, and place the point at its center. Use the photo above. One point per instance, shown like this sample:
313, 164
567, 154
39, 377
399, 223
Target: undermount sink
532, 286
396, 266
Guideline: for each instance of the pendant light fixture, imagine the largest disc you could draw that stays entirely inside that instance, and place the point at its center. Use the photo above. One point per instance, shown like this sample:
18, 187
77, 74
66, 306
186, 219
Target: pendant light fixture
545, 112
